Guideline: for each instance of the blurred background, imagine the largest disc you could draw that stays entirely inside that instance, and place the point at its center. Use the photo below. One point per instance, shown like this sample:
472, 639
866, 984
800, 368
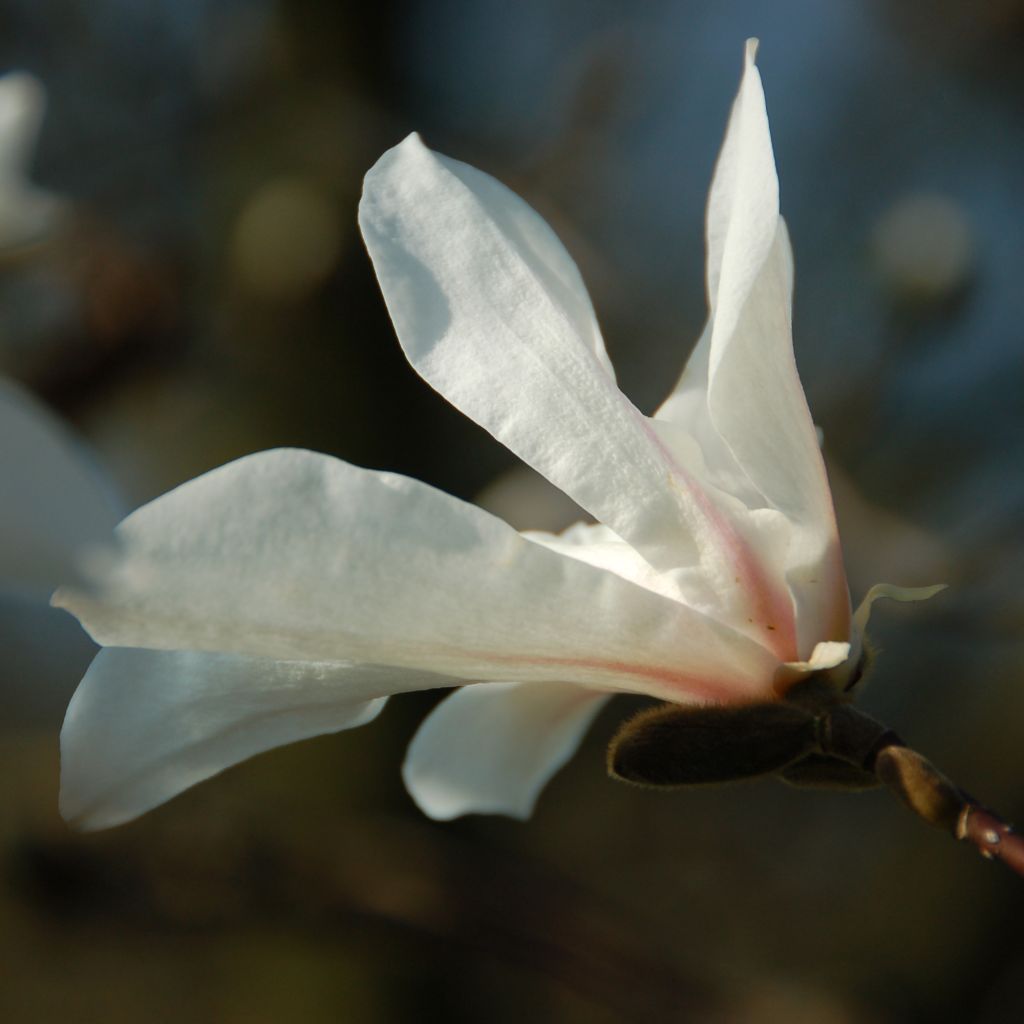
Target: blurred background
198, 290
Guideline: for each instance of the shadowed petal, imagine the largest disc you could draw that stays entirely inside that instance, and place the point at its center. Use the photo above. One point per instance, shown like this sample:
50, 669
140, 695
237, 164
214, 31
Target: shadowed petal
596, 545
757, 405
146, 725
491, 749
54, 502
740, 396
292, 555
893, 593
484, 319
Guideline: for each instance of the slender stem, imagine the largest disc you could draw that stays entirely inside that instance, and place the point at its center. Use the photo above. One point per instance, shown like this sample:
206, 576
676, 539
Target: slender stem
933, 797
993, 837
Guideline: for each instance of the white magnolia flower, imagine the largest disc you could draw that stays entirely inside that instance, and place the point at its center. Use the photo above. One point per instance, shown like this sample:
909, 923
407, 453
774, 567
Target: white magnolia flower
53, 502
288, 593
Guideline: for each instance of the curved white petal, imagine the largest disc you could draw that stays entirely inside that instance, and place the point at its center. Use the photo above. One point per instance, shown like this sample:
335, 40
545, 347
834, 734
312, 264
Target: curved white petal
684, 426
893, 593
145, 725
757, 404
482, 317
491, 749
54, 503
755, 398
740, 396
743, 204
293, 555
827, 654
596, 544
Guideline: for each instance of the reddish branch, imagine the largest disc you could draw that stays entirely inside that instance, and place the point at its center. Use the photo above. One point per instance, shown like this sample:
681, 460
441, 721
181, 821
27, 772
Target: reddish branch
993, 837
854, 737
815, 737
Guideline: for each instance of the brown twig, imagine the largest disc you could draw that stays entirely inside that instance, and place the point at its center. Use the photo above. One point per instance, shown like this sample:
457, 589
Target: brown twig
940, 802
815, 737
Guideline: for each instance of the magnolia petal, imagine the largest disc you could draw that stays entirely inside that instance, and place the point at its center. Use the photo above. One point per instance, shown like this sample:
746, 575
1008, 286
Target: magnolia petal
758, 407
831, 657
740, 396
491, 749
485, 320
499, 221
144, 726
717, 595
685, 428
755, 399
292, 555
596, 545
55, 505
827, 654
743, 204
894, 593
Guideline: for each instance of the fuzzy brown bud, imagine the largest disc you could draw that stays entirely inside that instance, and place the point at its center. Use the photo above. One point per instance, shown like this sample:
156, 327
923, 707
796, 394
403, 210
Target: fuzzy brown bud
677, 745
921, 786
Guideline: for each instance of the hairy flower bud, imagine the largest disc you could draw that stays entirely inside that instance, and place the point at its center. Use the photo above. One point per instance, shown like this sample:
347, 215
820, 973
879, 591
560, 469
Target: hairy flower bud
675, 745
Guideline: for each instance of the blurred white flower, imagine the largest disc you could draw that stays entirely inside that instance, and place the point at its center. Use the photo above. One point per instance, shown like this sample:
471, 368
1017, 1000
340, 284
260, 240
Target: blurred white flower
288, 593
55, 507
56, 503
27, 212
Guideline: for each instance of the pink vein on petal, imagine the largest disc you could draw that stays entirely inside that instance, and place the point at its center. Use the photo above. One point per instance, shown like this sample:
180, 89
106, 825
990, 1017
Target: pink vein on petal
770, 605
681, 683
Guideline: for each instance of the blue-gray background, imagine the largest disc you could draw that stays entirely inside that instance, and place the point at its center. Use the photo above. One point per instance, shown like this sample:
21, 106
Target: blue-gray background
211, 297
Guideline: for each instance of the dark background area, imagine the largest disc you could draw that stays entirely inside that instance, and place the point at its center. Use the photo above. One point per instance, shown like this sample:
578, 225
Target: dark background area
208, 295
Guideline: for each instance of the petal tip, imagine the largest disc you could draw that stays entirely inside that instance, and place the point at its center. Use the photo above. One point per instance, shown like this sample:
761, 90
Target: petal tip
391, 176
443, 802
82, 816
409, 148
